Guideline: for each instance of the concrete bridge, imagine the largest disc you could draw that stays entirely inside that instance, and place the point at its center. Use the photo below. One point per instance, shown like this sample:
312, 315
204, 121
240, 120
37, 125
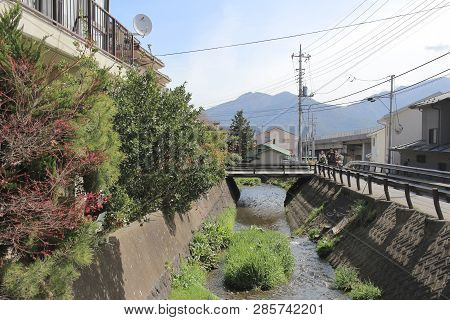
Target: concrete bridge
416, 188
282, 170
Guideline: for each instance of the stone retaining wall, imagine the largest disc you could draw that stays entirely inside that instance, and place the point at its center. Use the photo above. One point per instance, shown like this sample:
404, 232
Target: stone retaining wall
133, 262
404, 252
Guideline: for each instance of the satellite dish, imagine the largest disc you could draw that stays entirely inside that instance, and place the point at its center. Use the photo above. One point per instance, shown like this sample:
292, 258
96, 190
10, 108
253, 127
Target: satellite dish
142, 25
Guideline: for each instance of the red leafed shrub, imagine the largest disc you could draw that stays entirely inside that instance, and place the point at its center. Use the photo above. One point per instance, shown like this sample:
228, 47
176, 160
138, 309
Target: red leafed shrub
40, 107
94, 204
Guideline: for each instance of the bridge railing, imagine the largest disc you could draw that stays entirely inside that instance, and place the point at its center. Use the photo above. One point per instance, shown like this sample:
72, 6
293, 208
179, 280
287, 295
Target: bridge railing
439, 191
255, 168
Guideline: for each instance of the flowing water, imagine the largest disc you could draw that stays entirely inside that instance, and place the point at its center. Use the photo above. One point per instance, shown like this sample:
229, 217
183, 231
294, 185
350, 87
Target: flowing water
312, 278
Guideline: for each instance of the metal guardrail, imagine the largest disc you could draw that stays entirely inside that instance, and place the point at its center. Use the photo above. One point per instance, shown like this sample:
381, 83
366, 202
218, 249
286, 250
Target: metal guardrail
90, 21
438, 191
400, 171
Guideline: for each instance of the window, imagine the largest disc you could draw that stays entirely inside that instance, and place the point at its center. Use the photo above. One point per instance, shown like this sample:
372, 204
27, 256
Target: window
442, 166
433, 136
421, 158
273, 141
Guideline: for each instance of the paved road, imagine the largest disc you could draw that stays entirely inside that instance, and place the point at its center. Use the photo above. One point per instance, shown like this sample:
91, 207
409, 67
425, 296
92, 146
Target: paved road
420, 203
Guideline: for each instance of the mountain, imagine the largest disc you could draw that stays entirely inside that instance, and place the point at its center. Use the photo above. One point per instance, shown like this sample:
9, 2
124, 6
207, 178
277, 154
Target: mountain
280, 110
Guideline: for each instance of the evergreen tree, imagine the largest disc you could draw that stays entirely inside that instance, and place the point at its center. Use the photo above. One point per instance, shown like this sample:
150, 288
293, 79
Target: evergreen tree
240, 136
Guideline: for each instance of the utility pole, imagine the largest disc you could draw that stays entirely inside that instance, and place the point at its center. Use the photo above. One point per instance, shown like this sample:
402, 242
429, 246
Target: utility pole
391, 98
313, 136
300, 57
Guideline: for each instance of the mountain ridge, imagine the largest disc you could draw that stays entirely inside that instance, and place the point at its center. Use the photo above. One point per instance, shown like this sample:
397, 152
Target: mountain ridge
264, 110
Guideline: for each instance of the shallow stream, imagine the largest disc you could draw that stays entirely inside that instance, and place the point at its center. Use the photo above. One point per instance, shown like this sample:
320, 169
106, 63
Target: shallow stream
312, 278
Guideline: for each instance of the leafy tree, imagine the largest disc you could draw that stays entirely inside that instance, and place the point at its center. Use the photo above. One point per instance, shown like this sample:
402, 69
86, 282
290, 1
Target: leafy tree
172, 157
240, 136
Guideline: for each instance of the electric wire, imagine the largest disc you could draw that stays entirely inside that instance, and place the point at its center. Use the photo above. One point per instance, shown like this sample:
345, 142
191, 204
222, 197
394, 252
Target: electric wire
296, 35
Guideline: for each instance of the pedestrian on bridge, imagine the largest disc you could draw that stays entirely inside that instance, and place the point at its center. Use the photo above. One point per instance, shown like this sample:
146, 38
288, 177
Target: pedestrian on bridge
331, 157
322, 158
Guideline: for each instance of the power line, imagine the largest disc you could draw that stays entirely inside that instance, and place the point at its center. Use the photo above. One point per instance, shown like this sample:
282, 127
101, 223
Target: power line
367, 46
337, 24
362, 60
371, 87
297, 35
353, 29
357, 44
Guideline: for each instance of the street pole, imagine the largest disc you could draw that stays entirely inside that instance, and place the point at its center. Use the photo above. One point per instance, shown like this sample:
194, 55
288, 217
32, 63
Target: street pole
300, 94
391, 99
300, 57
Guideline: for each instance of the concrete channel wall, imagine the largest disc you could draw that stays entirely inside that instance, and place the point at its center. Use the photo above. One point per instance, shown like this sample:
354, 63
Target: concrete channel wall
404, 252
133, 263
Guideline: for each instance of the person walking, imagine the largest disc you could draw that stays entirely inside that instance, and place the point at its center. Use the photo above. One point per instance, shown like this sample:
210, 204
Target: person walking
339, 159
331, 157
322, 158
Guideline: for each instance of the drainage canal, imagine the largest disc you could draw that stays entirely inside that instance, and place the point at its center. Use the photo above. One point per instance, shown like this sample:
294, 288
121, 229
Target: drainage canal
312, 278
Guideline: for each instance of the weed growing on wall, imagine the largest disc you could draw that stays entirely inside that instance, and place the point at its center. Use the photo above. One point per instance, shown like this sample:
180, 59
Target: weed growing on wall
347, 279
325, 246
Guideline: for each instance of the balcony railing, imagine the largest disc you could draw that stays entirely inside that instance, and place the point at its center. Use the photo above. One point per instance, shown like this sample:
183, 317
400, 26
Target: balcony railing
91, 22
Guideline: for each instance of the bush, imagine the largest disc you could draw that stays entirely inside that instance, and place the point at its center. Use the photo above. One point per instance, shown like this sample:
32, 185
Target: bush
346, 277
189, 284
55, 127
325, 246
314, 234
51, 277
365, 291
172, 157
211, 239
250, 182
258, 258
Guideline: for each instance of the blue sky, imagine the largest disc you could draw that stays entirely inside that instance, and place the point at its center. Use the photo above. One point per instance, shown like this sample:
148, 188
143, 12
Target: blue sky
218, 76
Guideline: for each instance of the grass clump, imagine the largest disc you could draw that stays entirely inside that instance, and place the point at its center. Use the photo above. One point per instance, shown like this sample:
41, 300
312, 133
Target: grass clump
282, 183
189, 283
212, 239
365, 291
347, 279
314, 214
305, 229
325, 246
258, 258
300, 231
250, 182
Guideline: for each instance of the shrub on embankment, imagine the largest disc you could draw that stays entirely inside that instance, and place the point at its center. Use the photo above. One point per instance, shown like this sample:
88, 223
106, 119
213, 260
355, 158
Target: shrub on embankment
258, 258
56, 132
172, 157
